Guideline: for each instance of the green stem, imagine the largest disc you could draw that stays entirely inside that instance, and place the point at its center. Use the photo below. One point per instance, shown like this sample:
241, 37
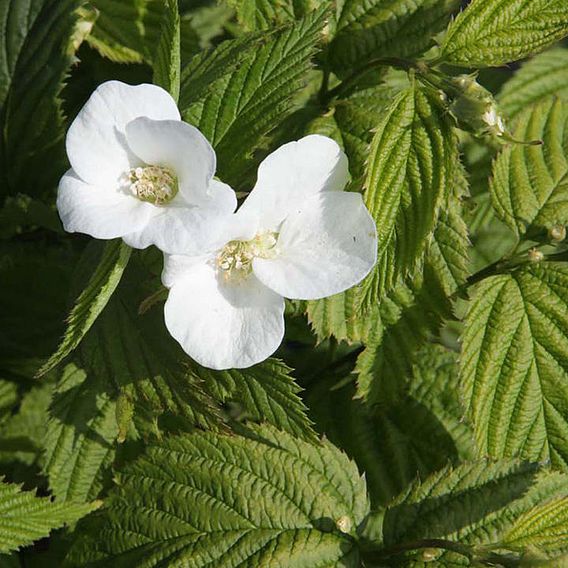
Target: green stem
345, 85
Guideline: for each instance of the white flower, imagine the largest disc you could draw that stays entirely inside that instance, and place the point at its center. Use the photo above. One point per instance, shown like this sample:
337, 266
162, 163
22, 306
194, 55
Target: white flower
296, 236
139, 172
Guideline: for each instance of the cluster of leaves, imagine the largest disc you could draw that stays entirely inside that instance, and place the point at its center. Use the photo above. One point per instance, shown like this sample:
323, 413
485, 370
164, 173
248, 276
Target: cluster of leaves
420, 417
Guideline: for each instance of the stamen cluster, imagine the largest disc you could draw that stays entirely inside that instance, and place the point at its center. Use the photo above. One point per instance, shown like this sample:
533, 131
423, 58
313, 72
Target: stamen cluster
235, 259
155, 184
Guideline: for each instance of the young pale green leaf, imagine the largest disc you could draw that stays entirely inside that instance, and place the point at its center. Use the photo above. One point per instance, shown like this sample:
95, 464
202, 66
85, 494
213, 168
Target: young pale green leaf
244, 105
369, 29
339, 315
411, 164
263, 14
544, 527
228, 501
495, 32
265, 392
127, 31
167, 64
515, 364
25, 517
475, 503
38, 41
80, 435
538, 79
92, 300
448, 251
530, 183
395, 443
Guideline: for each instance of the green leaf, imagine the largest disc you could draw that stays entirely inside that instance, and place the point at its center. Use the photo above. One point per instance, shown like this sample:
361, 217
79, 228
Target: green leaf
473, 504
448, 251
263, 14
538, 79
396, 443
413, 311
167, 67
230, 501
356, 116
244, 105
530, 183
25, 517
489, 33
515, 364
127, 31
92, 300
35, 285
8, 398
39, 39
408, 316
368, 29
339, 316
543, 528
265, 392
200, 76
411, 165
80, 435
21, 436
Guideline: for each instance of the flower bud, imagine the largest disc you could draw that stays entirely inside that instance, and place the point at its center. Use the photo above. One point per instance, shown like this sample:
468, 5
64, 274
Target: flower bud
344, 524
430, 554
557, 233
535, 255
474, 107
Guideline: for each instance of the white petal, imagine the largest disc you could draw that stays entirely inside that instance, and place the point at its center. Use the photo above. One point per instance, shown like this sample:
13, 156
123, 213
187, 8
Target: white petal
294, 172
221, 324
325, 247
186, 229
222, 197
179, 146
98, 211
96, 143
177, 266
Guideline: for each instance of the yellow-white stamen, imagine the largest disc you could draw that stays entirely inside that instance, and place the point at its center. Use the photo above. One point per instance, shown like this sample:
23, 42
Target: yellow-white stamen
155, 184
235, 259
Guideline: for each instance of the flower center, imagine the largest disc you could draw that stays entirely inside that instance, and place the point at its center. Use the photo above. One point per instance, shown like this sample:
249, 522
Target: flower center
235, 258
155, 184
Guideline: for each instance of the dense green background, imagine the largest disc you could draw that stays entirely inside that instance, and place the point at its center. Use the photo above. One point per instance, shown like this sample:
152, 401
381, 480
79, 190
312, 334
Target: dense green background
440, 383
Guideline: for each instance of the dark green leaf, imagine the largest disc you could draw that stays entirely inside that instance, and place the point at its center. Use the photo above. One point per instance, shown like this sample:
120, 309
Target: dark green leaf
228, 501
92, 300
167, 66
243, 106
369, 29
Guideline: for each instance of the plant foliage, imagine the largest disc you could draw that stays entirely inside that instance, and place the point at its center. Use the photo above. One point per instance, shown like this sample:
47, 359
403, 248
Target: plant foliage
417, 419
